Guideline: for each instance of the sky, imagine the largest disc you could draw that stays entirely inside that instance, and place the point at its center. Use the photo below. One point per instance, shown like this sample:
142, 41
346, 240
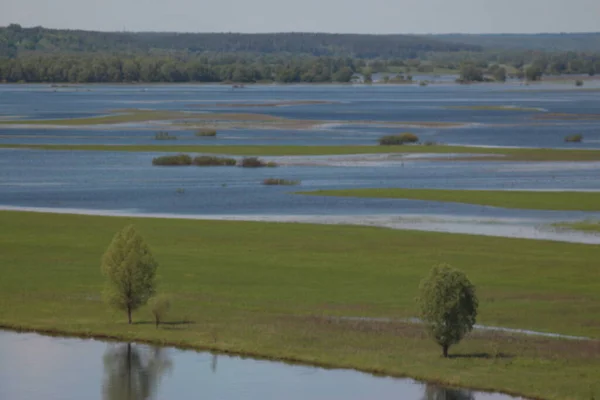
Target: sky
337, 16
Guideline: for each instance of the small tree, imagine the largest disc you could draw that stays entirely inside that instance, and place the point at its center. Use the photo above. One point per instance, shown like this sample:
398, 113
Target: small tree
448, 305
130, 271
160, 307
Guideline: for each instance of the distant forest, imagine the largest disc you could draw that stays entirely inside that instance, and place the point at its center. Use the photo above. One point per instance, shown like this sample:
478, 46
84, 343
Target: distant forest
68, 56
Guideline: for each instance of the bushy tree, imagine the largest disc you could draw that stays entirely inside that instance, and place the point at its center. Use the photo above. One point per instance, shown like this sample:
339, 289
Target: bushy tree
471, 73
130, 271
448, 305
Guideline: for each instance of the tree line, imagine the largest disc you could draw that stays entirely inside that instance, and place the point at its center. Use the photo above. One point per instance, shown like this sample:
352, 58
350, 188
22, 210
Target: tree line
218, 68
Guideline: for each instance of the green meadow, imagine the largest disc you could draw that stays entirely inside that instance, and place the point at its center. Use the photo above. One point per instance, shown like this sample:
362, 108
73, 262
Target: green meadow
462, 153
532, 200
277, 290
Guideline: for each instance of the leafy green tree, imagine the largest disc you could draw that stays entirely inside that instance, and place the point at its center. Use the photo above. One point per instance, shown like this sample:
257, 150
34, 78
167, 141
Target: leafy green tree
534, 73
499, 74
343, 75
448, 305
130, 271
367, 76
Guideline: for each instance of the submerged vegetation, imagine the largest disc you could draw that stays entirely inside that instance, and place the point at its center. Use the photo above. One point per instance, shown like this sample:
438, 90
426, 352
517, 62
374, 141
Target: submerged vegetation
162, 135
281, 182
403, 138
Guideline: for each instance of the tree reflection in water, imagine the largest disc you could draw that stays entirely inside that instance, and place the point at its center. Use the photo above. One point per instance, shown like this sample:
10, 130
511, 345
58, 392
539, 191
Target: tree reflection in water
434, 392
133, 372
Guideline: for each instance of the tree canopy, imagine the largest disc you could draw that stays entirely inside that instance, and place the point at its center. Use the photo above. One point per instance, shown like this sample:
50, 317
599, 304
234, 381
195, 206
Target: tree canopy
130, 271
448, 305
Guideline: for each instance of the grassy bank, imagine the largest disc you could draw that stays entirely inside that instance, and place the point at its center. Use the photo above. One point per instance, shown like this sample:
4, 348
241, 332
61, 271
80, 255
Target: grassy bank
531, 200
270, 289
489, 154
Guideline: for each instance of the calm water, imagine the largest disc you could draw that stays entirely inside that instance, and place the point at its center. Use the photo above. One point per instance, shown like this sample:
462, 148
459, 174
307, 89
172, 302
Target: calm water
349, 103
72, 369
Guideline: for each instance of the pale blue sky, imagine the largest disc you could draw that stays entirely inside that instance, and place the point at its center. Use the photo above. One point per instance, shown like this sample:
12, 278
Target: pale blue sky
370, 16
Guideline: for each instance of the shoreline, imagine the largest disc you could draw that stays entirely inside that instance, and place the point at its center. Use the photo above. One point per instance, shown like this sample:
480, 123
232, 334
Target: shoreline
493, 227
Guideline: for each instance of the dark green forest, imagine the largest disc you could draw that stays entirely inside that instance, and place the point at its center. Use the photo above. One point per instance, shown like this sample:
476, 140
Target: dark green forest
67, 56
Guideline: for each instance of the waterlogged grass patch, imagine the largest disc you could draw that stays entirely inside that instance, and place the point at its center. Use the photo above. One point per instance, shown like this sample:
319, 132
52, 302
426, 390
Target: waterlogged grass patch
395, 140
590, 226
532, 200
574, 138
162, 135
207, 161
494, 108
206, 133
176, 160
280, 182
255, 162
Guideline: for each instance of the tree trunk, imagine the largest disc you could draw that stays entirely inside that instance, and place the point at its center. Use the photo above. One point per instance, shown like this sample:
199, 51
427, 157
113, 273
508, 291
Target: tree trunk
129, 314
157, 322
445, 350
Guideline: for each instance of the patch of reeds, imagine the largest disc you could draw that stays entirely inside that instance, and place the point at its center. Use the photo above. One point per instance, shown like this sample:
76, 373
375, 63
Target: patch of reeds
175, 160
255, 162
280, 182
395, 140
208, 161
162, 135
574, 138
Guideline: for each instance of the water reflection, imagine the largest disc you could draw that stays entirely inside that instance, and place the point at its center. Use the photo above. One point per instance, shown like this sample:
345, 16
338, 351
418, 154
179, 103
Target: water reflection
130, 373
435, 392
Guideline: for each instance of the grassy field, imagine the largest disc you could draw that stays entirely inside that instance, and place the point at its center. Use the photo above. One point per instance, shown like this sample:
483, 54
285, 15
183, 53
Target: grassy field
532, 200
488, 154
272, 289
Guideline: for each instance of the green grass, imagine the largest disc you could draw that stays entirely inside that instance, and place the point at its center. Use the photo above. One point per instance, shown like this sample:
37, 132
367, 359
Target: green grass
269, 289
531, 200
584, 226
484, 153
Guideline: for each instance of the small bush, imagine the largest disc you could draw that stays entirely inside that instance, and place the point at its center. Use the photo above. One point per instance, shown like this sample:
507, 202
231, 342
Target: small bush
282, 182
431, 143
400, 139
207, 161
578, 82
160, 307
206, 133
574, 138
179, 159
255, 162
164, 136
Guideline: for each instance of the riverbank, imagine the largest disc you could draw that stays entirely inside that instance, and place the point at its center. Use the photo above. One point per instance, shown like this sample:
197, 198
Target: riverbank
462, 153
271, 290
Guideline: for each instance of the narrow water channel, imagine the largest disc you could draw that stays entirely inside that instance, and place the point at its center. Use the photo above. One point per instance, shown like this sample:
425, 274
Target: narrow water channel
40, 367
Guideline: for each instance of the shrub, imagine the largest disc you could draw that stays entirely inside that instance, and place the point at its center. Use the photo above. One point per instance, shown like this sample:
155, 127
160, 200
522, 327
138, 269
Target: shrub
206, 133
283, 182
179, 159
160, 307
578, 82
574, 138
448, 305
255, 162
206, 161
400, 139
162, 135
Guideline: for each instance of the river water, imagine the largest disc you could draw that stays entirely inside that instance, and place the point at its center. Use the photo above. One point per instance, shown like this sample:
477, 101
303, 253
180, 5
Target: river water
74, 369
